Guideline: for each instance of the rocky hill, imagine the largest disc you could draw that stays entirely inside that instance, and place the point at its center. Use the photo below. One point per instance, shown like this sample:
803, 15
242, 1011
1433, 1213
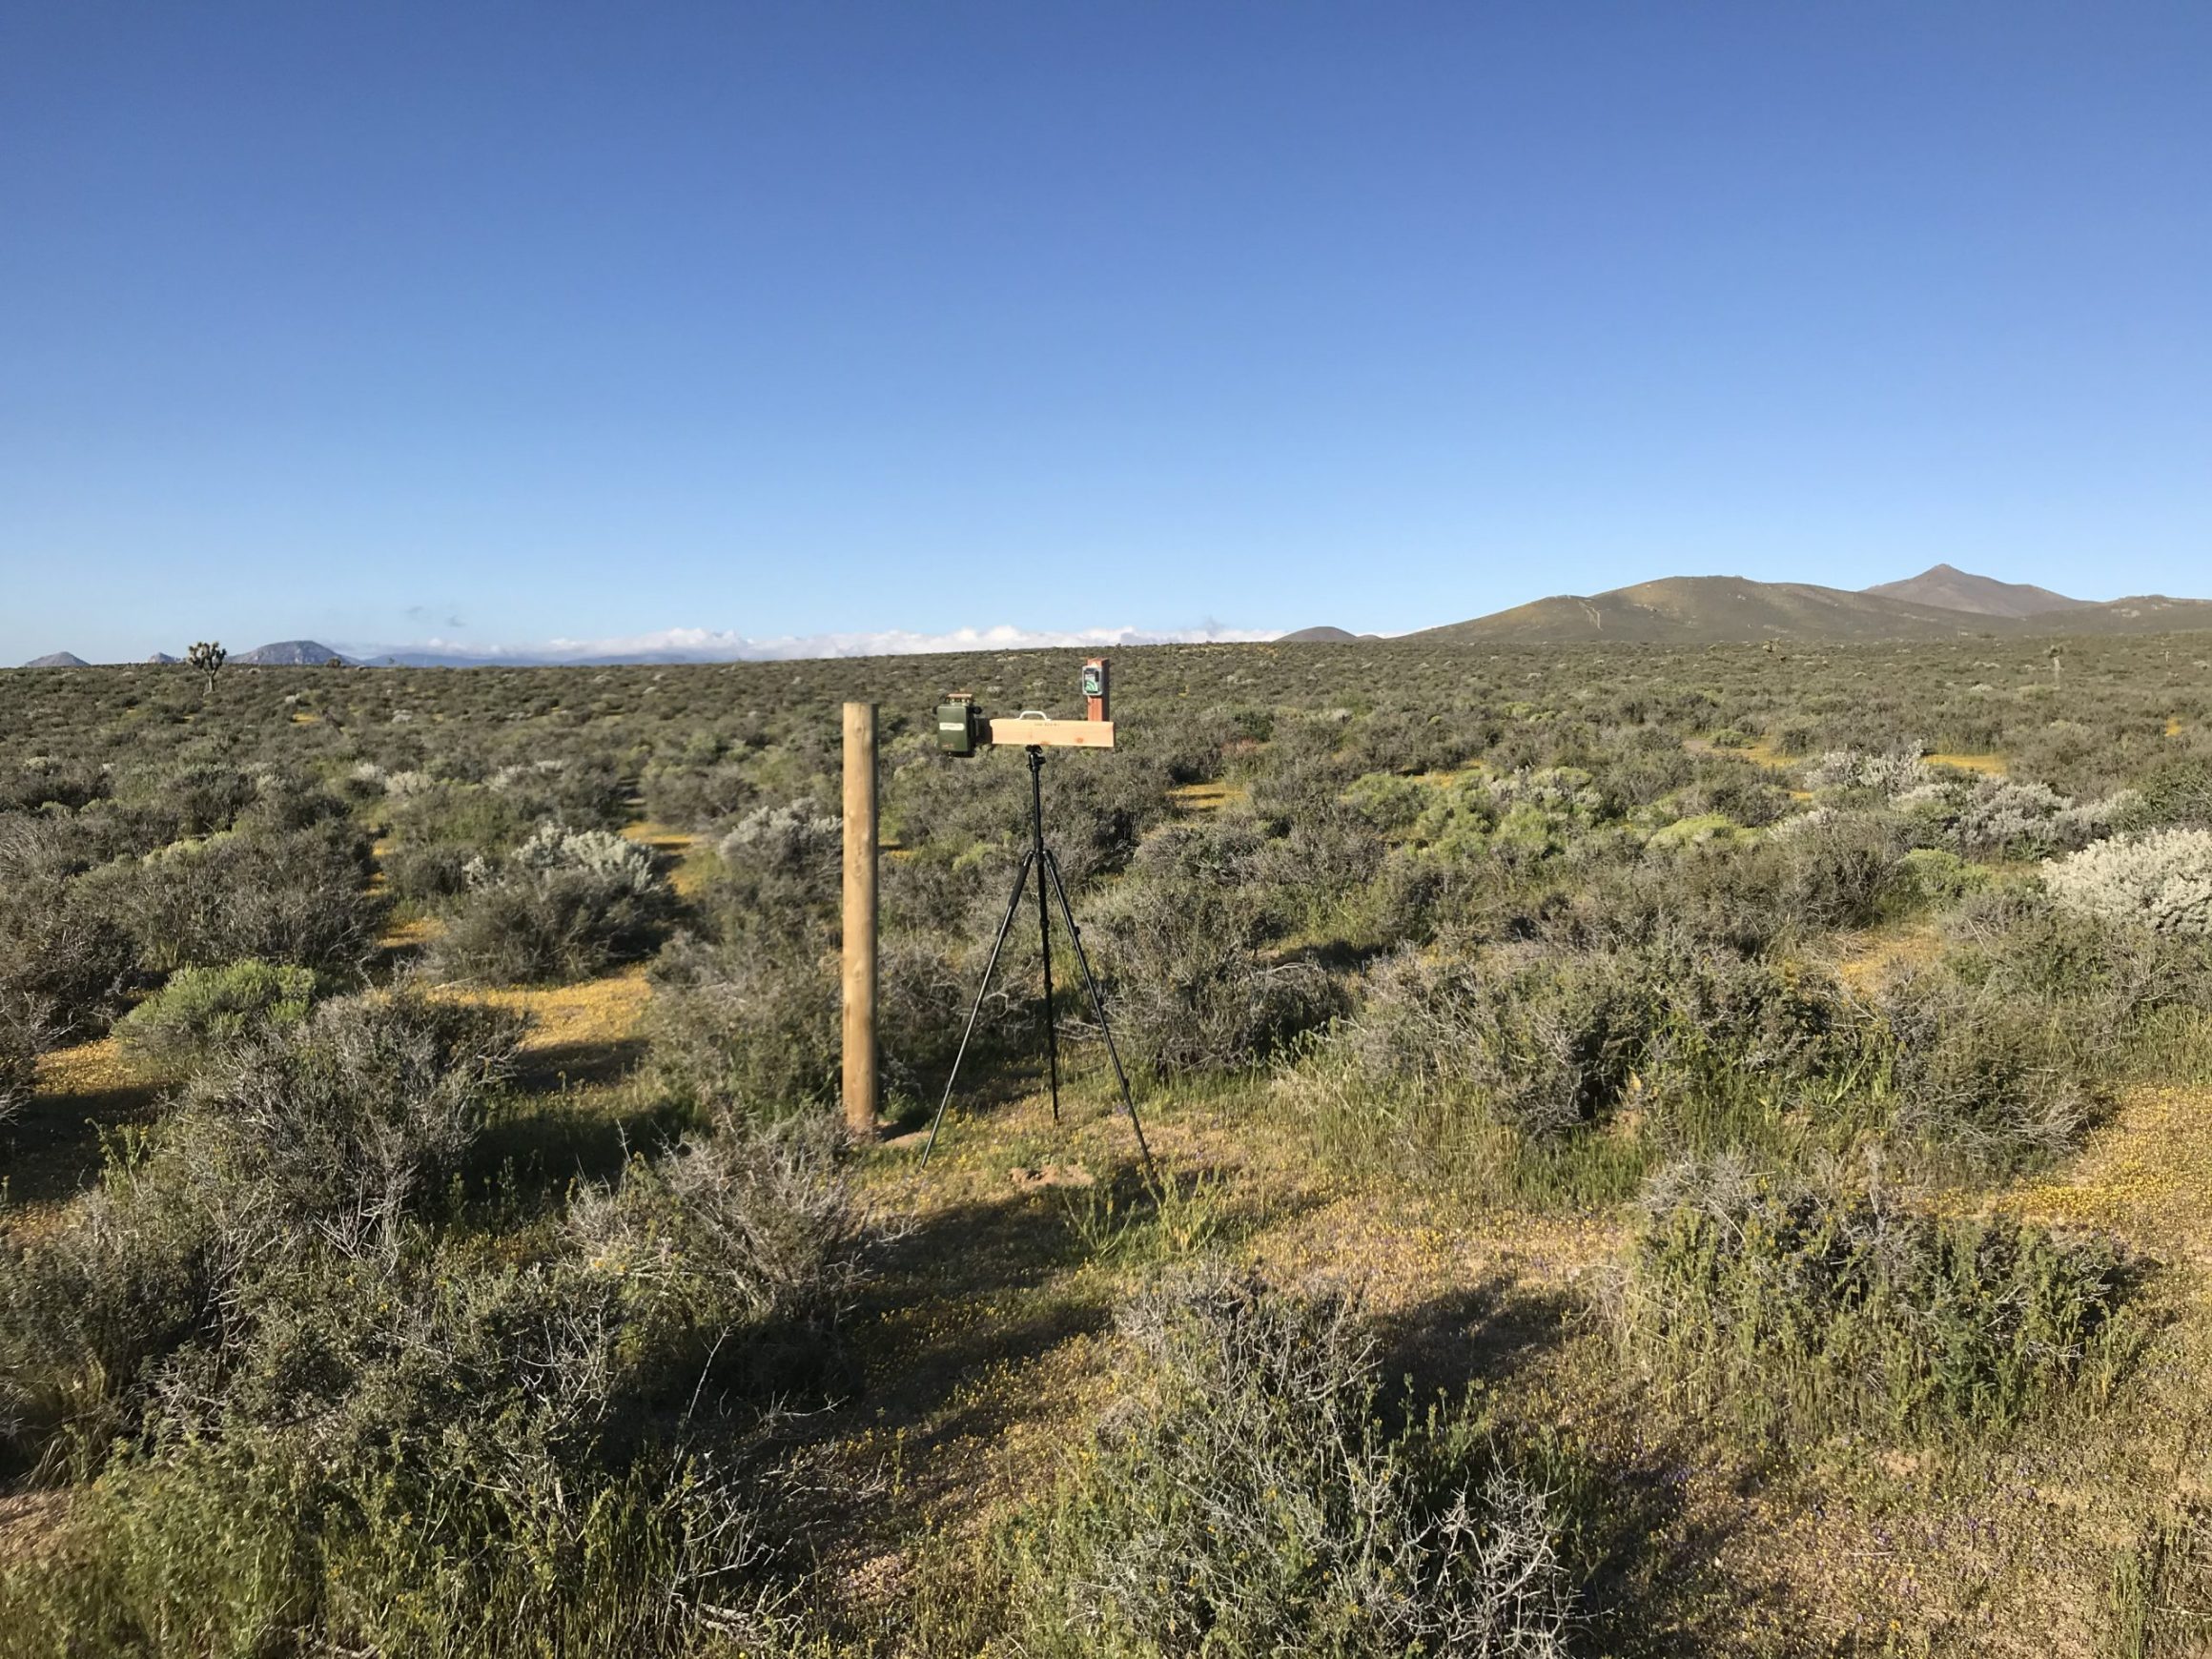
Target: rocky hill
288, 654
1954, 589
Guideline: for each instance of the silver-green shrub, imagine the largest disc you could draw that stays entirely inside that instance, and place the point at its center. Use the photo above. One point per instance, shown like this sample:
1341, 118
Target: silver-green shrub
2161, 881
1252, 1500
566, 904
555, 848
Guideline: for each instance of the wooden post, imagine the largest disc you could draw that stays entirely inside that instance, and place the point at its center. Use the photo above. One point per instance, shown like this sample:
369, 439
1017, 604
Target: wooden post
860, 920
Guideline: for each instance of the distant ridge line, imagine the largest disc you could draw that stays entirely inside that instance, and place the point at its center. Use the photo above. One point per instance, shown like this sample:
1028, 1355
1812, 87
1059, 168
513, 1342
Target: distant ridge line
1736, 609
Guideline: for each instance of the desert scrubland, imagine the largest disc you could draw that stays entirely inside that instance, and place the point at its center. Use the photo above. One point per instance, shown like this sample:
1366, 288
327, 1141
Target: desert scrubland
1660, 1152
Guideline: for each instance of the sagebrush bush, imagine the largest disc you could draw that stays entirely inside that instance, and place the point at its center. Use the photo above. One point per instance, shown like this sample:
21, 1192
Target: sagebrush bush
745, 1026
425, 875
1251, 1500
89, 1310
777, 870
2096, 977
464, 1453
298, 896
1986, 1077
1808, 1304
747, 1224
2000, 816
25, 1034
63, 959
753, 1023
329, 1131
1541, 1043
1191, 978
2161, 880
344, 1120
565, 905
1546, 1041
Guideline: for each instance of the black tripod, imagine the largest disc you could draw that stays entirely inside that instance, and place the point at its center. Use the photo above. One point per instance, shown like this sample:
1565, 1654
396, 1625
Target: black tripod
1048, 870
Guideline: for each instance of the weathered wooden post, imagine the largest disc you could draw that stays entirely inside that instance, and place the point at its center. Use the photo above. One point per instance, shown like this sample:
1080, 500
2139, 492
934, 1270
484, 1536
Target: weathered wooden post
859, 928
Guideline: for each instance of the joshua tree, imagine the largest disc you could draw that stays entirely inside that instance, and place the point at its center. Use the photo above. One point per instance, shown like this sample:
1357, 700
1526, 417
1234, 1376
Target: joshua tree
207, 656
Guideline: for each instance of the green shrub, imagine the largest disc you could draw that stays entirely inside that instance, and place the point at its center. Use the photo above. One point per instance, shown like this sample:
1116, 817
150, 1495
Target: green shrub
1805, 1305
1988, 1077
2179, 791
1253, 1502
1930, 876
1704, 830
203, 1010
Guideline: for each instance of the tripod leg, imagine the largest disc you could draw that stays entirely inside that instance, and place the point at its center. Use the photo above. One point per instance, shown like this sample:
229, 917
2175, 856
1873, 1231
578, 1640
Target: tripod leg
1037, 821
990, 967
1052, 866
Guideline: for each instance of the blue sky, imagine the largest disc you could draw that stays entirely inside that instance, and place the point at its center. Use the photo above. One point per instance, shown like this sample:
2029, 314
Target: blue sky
504, 323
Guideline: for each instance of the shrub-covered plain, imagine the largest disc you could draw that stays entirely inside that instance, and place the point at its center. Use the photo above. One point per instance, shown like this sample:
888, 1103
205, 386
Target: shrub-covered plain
1717, 1073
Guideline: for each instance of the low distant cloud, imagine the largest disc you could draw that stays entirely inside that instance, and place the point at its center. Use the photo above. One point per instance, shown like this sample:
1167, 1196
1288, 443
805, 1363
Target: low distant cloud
720, 645
712, 643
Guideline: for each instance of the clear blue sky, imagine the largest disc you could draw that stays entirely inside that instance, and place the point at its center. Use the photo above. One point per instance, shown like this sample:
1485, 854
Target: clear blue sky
506, 322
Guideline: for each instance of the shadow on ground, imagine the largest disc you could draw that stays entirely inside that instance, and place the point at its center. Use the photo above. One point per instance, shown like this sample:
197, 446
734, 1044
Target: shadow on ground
54, 1149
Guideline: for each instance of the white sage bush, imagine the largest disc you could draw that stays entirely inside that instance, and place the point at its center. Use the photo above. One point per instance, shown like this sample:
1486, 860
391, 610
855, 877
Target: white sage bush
1847, 768
2161, 881
556, 848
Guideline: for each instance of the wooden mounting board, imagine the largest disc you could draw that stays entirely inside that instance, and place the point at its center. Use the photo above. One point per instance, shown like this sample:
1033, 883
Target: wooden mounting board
1052, 733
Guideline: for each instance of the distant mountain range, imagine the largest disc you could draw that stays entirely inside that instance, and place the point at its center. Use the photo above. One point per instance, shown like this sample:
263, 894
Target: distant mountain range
1938, 604
1941, 602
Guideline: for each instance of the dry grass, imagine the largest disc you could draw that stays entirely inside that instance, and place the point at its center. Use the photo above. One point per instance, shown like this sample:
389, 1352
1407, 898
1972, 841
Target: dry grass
1868, 961
84, 1093
408, 936
675, 848
2146, 1175
1990, 766
581, 1033
1205, 797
